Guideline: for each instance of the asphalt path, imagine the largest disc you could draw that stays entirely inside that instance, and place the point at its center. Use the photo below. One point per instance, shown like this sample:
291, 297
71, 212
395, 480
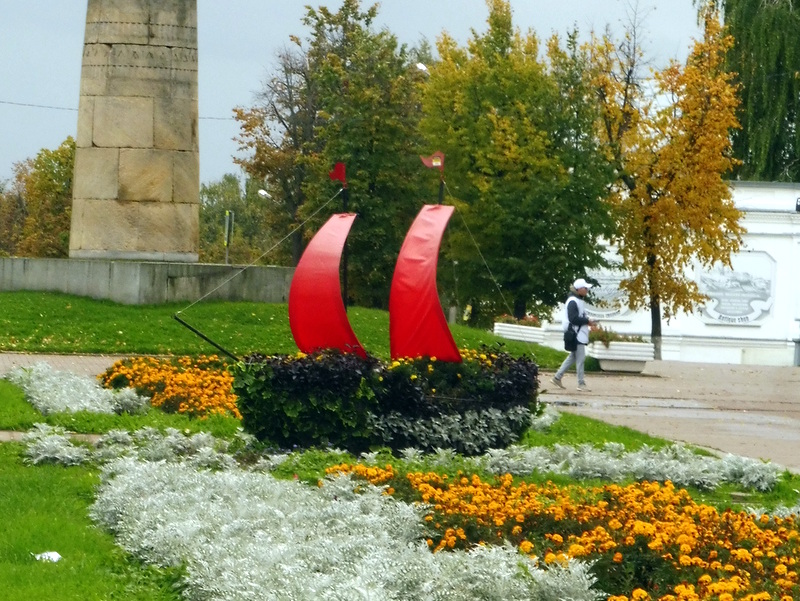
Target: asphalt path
746, 410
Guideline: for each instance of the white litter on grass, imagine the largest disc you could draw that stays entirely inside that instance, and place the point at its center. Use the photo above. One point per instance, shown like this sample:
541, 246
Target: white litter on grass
48, 556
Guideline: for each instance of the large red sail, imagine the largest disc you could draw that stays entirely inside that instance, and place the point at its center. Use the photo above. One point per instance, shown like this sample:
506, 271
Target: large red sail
317, 314
417, 324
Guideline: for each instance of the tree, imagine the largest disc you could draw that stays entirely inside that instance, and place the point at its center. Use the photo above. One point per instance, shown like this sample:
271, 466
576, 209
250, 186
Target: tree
43, 194
522, 162
368, 118
252, 240
766, 56
12, 220
346, 94
671, 149
279, 131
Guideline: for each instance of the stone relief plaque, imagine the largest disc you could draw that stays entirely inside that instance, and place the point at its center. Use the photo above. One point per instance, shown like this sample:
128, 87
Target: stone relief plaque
606, 300
739, 295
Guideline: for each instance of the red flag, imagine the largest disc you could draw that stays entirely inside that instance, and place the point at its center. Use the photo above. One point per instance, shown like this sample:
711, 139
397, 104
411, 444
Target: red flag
338, 173
436, 160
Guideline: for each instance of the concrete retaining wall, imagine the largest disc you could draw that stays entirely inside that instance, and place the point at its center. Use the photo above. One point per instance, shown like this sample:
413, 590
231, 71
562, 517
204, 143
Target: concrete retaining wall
144, 283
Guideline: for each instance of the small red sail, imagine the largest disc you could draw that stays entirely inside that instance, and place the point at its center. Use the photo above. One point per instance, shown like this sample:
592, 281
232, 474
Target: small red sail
317, 314
417, 325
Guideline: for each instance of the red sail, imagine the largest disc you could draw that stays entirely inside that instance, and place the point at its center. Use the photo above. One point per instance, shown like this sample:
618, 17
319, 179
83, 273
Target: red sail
317, 315
417, 325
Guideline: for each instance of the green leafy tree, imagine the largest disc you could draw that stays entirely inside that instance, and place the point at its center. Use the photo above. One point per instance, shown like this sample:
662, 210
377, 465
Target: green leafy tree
251, 241
671, 148
43, 193
522, 163
766, 56
12, 219
276, 134
367, 94
345, 94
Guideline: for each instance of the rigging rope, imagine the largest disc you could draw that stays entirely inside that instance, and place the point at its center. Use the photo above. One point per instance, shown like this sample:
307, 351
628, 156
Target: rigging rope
266, 252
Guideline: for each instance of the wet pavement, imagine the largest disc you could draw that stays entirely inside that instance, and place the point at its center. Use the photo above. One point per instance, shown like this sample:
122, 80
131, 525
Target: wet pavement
746, 410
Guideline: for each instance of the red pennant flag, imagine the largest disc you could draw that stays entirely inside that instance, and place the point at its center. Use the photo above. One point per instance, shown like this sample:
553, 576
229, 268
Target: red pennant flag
338, 173
436, 160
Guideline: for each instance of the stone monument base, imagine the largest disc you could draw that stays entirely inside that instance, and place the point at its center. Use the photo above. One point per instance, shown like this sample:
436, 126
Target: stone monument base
146, 283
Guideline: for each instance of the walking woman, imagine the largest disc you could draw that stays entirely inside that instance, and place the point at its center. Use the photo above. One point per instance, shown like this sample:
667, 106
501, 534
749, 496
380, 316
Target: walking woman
575, 317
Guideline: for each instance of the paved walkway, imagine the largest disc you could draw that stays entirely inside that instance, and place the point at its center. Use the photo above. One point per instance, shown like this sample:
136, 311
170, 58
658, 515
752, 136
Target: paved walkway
746, 410
85, 365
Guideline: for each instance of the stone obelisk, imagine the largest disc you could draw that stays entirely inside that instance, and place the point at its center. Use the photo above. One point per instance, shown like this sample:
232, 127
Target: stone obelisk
137, 168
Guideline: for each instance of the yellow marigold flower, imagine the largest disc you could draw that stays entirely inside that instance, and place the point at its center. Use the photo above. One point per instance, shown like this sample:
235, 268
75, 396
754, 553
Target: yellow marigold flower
526, 546
781, 569
617, 557
576, 550
639, 594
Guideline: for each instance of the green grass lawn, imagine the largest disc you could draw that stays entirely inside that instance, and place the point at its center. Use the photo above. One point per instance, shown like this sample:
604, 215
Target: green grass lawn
46, 509
39, 322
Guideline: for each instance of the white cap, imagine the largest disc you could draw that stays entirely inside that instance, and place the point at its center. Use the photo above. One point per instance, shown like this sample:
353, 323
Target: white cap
581, 283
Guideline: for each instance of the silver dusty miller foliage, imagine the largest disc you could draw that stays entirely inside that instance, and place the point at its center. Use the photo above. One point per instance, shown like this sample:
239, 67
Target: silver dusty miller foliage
244, 535
51, 391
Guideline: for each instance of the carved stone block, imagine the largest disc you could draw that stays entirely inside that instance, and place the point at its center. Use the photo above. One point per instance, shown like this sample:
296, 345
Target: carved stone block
123, 122
96, 173
145, 175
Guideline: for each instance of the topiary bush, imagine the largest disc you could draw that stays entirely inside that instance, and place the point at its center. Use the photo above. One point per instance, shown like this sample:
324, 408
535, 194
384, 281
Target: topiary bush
484, 402
307, 400
330, 398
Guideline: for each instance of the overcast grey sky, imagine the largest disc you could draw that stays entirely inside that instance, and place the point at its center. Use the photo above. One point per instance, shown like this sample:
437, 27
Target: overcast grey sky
41, 45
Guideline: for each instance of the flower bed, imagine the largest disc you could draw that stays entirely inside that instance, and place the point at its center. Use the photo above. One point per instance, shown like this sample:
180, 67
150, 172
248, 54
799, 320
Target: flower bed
484, 401
618, 352
641, 538
198, 387
173, 499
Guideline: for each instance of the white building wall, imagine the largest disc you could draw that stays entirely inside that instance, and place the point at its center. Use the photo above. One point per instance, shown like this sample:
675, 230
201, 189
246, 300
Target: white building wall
753, 316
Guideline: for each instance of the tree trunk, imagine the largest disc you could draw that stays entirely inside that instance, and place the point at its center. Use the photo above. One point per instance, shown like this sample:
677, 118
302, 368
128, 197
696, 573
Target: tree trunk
520, 308
655, 326
296, 246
